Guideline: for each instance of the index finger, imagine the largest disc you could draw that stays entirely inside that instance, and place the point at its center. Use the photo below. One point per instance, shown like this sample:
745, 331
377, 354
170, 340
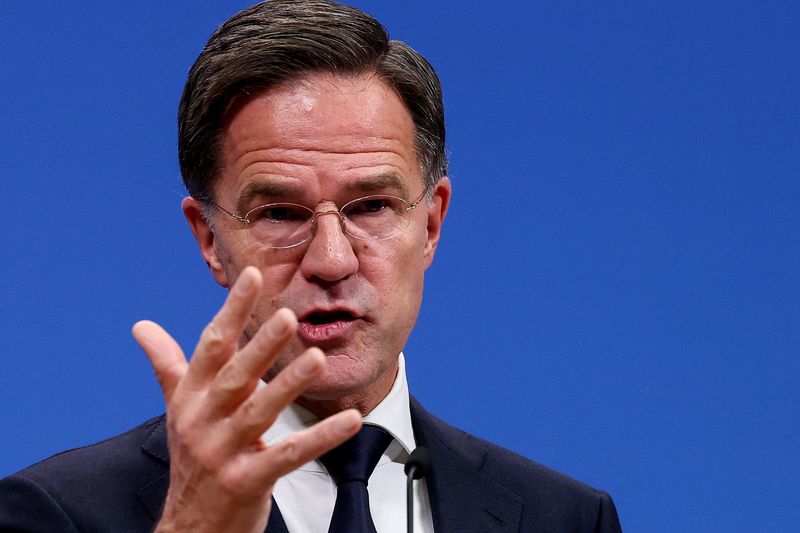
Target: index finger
220, 337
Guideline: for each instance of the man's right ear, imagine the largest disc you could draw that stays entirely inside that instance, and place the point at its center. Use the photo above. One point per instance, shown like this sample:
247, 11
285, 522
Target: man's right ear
194, 211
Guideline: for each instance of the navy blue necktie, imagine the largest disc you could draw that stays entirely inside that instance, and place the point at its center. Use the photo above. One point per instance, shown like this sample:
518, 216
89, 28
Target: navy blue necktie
350, 465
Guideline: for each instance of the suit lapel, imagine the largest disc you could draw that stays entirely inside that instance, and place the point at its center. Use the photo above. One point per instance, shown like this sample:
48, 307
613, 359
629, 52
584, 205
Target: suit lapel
154, 493
461, 498
276, 523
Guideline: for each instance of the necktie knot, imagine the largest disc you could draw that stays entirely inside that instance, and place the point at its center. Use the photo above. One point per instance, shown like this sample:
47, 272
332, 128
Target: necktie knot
350, 465
356, 458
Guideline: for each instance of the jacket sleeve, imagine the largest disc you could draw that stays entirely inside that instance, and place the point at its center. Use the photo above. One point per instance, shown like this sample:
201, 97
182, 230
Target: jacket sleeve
25, 507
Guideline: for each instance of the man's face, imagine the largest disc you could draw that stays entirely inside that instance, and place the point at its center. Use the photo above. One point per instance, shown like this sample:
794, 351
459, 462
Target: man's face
321, 142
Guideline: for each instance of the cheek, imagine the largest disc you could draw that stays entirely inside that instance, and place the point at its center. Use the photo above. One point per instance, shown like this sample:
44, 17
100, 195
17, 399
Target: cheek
277, 271
233, 253
277, 282
400, 271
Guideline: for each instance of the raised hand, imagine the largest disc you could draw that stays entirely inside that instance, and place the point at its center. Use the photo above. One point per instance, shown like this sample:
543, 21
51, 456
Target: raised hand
221, 473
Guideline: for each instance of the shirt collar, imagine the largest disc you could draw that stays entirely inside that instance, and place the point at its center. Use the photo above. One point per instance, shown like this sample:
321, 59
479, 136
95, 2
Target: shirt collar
392, 414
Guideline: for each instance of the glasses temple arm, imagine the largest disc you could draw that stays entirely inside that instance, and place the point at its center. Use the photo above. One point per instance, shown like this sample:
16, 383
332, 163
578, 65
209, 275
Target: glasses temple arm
237, 217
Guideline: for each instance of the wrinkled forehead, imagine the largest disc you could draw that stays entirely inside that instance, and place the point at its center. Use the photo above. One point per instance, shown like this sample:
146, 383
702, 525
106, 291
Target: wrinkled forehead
323, 126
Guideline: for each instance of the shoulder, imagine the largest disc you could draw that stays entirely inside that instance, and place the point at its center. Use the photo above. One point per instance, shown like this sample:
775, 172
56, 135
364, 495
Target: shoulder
506, 467
96, 483
547, 495
123, 453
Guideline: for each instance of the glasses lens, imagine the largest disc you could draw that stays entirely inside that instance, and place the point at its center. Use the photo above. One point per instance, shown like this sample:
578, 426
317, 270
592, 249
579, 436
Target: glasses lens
280, 225
376, 217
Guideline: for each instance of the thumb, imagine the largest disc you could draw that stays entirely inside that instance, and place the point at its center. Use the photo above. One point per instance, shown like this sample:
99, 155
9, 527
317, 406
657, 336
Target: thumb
166, 356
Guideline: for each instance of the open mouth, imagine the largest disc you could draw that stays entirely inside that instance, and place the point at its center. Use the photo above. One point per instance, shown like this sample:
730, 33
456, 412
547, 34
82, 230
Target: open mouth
327, 328
319, 318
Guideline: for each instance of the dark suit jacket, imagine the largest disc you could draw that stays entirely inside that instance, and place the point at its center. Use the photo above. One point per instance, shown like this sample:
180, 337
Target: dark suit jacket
119, 485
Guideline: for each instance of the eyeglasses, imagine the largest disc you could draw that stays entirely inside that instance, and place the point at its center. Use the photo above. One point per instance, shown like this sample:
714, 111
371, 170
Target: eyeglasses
370, 218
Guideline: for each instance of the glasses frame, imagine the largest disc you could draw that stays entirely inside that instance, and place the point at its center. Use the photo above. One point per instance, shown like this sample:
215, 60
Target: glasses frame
244, 219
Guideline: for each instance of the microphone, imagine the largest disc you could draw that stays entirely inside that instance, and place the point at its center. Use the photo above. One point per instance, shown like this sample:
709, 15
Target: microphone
417, 467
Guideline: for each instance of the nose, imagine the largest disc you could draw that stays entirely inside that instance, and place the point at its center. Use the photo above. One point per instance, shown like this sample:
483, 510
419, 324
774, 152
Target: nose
329, 256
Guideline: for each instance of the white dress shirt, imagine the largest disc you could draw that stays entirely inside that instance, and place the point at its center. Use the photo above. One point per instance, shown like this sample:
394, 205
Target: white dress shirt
306, 496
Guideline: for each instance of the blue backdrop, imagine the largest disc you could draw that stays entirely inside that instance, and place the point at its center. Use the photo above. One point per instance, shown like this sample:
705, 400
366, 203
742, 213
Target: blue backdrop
616, 294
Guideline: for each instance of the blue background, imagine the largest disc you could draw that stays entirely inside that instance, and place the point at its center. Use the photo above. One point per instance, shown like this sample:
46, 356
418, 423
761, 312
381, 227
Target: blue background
616, 294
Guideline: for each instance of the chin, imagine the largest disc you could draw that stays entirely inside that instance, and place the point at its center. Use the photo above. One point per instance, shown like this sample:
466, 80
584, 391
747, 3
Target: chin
343, 377
346, 383
325, 399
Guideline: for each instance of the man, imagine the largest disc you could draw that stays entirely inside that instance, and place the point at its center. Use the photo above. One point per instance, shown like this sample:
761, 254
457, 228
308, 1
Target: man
313, 151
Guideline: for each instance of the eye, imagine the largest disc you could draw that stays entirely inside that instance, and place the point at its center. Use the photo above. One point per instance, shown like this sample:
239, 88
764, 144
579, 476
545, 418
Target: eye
279, 214
372, 206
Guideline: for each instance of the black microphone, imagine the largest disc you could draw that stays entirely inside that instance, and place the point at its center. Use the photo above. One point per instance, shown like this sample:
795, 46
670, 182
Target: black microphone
417, 467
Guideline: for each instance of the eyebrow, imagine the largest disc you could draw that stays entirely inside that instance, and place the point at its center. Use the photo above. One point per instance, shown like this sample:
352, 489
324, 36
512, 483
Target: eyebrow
378, 183
278, 191
267, 189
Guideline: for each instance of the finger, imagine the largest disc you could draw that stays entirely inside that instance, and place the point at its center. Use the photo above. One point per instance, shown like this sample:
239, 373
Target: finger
221, 336
166, 356
238, 378
260, 410
304, 446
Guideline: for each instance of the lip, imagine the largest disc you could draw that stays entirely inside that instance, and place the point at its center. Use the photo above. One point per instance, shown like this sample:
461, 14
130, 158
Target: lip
329, 333
325, 334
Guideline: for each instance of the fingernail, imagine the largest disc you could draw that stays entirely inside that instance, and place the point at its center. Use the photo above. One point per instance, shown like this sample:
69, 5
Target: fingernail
244, 284
306, 366
346, 424
277, 325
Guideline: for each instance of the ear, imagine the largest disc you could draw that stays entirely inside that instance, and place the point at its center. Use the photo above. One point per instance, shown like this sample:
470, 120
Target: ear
437, 209
194, 212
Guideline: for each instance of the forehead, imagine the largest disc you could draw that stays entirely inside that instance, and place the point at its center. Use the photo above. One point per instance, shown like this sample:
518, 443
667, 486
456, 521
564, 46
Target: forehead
323, 132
